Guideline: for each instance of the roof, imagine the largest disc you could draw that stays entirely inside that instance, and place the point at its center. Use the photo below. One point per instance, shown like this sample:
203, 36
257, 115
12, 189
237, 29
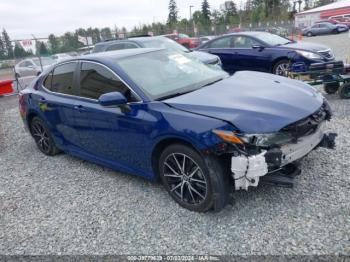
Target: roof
118, 54
335, 5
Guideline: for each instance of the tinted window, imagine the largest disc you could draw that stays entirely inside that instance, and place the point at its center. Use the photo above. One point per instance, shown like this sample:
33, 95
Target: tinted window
121, 46
221, 43
63, 79
115, 47
96, 80
243, 42
48, 81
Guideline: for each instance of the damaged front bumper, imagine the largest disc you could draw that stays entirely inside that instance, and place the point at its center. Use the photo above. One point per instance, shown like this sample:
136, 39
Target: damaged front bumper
247, 170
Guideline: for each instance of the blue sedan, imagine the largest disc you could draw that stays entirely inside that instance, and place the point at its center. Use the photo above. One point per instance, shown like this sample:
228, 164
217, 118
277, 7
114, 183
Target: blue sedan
161, 114
265, 52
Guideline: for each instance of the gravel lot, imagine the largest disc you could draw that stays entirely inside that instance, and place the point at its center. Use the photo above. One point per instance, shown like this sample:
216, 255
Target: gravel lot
63, 205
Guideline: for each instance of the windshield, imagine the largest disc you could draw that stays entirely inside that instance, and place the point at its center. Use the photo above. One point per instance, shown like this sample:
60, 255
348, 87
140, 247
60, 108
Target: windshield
164, 43
44, 60
272, 39
167, 73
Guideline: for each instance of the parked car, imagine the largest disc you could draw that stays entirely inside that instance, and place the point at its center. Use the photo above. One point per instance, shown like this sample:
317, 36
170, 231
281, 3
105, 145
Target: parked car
204, 39
60, 57
155, 42
185, 40
262, 51
159, 114
321, 29
344, 21
32, 66
342, 27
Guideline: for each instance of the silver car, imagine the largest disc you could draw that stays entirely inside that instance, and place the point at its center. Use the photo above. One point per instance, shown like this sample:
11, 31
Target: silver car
321, 29
32, 67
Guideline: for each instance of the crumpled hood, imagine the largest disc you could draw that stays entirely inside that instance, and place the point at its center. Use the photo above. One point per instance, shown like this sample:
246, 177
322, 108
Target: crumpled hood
254, 102
204, 57
305, 46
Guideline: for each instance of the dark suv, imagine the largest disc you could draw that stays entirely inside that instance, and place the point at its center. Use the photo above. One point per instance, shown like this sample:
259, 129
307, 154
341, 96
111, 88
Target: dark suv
155, 42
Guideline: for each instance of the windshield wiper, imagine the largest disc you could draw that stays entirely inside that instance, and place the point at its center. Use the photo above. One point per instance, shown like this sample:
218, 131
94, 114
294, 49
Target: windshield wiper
174, 95
213, 82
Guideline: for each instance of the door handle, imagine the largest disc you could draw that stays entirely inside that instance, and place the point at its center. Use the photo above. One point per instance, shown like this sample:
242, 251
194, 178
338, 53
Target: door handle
79, 108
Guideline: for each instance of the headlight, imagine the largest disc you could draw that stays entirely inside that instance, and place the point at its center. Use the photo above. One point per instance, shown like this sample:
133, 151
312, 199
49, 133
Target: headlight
309, 55
228, 136
260, 140
266, 140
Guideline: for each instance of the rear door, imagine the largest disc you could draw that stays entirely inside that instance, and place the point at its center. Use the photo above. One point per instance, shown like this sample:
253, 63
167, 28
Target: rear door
57, 103
222, 47
248, 58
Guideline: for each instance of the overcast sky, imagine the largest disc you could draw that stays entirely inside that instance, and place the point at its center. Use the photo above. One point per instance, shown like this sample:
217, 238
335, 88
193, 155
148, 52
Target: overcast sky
21, 18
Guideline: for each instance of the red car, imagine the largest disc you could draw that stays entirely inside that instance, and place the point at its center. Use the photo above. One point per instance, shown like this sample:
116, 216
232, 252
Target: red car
333, 21
185, 40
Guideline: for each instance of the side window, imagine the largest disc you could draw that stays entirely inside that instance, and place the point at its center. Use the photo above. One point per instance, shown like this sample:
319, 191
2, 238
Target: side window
316, 26
243, 42
221, 43
130, 46
63, 79
115, 47
96, 80
48, 81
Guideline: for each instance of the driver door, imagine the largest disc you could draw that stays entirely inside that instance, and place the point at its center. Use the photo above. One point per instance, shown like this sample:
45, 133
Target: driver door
112, 134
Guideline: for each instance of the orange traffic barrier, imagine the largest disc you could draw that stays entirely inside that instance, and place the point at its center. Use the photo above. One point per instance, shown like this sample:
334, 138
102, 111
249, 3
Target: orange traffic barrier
300, 37
6, 87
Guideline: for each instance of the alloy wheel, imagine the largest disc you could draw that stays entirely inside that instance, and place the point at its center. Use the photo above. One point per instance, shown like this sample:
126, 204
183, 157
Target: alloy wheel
282, 69
41, 137
185, 179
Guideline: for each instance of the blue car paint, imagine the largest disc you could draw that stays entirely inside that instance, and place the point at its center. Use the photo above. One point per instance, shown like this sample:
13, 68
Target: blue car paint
126, 140
256, 59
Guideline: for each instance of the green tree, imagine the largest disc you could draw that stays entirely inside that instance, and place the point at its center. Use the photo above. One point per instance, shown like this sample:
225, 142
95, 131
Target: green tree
323, 2
2, 49
106, 33
54, 44
19, 51
41, 48
173, 13
7, 44
206, 12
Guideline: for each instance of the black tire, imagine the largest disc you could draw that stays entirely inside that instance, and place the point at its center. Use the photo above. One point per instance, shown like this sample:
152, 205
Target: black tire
38, 73
210, 180
309, 34
331, 88
277, 70
344, 91
335, 31
42, 136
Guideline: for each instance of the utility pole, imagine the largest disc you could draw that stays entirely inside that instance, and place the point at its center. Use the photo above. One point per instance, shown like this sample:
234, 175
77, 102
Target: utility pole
194, 26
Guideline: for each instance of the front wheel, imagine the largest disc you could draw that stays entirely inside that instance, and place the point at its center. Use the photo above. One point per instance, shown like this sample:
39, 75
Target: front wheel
194, 182
331, 88
281, 68
309, 34
344, 91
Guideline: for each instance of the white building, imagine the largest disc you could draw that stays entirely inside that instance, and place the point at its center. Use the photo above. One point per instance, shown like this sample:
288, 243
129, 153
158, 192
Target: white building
336, 9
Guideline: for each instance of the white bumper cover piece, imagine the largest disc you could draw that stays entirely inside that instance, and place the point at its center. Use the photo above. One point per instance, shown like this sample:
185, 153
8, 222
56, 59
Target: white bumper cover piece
247, 170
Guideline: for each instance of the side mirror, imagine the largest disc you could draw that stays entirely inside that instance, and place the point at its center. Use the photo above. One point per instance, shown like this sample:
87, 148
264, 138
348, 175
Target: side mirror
259, 47
112, 99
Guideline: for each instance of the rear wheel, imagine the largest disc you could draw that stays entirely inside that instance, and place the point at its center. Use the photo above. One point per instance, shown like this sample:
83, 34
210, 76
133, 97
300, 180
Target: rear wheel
335, 31
344, 91
281, 68
42, 137
195, 183
309, 34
